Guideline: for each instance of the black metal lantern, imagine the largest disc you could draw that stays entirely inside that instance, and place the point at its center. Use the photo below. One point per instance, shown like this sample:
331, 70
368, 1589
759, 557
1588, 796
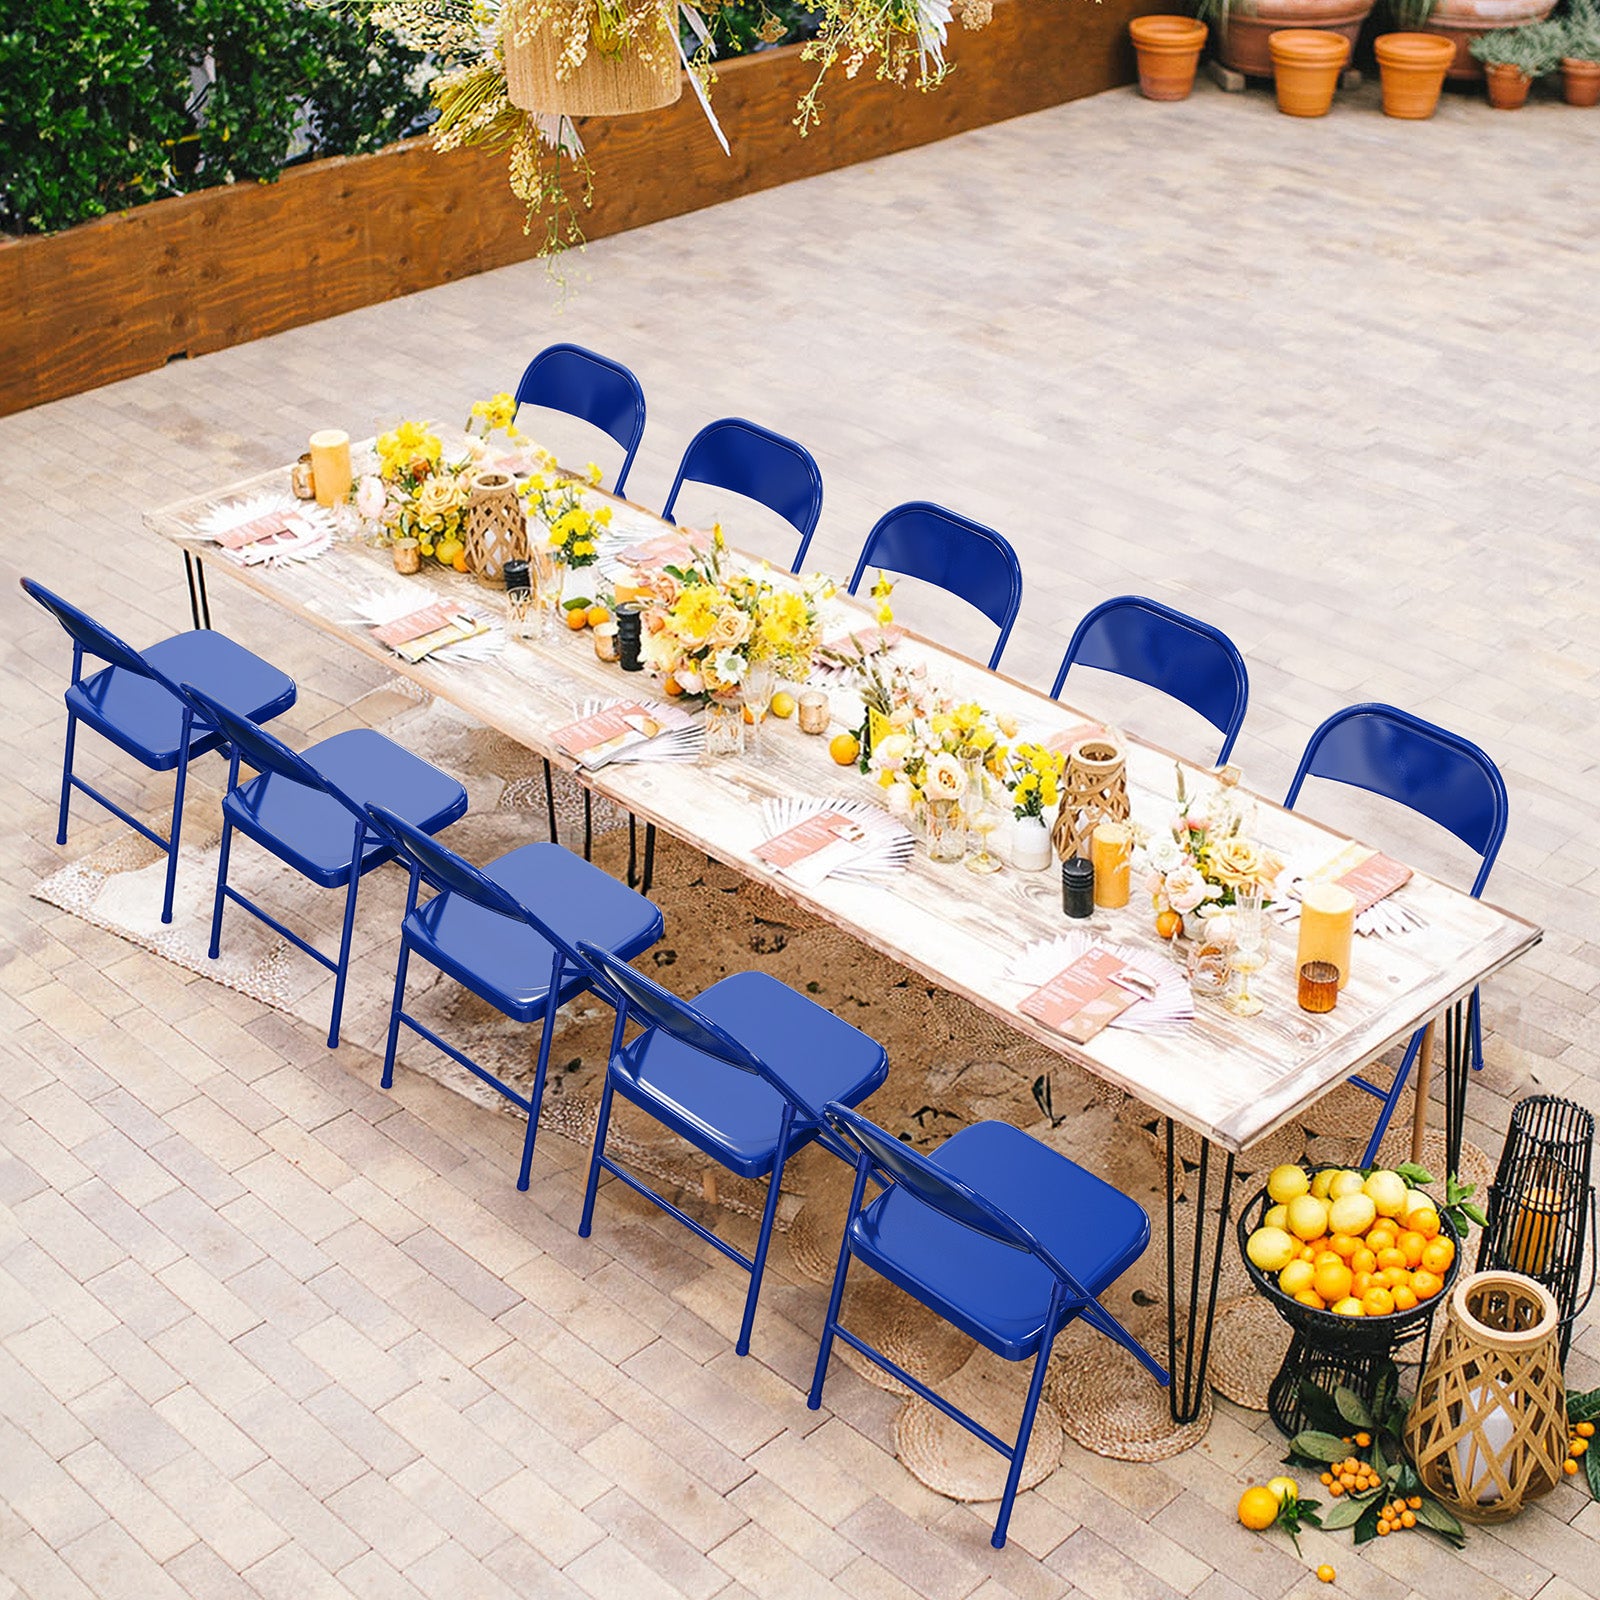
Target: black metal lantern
1542, 1203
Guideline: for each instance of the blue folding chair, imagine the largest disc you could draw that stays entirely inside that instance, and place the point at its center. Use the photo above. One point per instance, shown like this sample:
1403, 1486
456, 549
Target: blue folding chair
747, 459
135, 702
1002, 1236
742, 1074
1177, 654
926, 541
481, 929
309, 810
594, 388
1433, 772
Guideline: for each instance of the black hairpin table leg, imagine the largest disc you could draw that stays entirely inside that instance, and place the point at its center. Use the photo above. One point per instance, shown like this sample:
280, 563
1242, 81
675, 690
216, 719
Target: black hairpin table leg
550, 802
1189, 1373
1459, 1026
649, 857
194, 572
588, 824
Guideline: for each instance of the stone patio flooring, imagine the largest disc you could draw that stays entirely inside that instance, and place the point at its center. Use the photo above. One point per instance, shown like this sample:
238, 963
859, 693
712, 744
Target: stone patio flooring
265, 1330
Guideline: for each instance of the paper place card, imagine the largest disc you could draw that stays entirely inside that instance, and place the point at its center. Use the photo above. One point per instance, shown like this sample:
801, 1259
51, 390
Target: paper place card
1082, 998
1374, 879
812, 849
666, 549
868, 640
593, 740
416, 636
269, 529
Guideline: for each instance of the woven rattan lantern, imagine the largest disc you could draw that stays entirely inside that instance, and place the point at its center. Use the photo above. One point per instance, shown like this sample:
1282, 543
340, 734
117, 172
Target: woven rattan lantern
1488, 1429
606, 83
494, 526
1094, 789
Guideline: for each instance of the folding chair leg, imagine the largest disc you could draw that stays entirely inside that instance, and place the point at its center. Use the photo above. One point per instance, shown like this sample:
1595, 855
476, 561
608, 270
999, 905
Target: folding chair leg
1392, 1098
394, 1012
836, 1298
758, 1262
601, 1124
536, 1099
342, 971
222, 886
177, 825
1024, 1433
66, 778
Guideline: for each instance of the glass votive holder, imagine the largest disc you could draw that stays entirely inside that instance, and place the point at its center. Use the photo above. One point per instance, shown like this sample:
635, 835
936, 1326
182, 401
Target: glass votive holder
1209, 968
522, 614
1319, 986
300, 480
407, 555
605, 641
813, 711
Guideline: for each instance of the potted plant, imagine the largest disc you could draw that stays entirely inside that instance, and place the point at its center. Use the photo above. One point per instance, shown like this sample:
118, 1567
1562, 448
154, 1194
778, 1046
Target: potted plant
1169, 51
1241, 28
1462, 21
1412, 66
1513, 57
1306, 63
1580, 53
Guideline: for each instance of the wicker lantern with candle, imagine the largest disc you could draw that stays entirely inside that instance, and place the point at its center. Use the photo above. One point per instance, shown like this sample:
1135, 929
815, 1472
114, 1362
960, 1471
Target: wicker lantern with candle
494, 527
1094, 789
630, 63
1488, 1429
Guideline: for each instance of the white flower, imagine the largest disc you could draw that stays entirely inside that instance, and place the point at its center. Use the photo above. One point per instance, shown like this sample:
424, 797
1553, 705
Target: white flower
890, 752
898, 799
370, 498
689, 682
944, 779
1185, 889
1164, 854
730, 666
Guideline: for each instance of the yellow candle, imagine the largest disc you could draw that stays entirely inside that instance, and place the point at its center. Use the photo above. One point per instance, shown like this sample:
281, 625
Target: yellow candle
1111, 849
1327, 922
330, 465
628, 588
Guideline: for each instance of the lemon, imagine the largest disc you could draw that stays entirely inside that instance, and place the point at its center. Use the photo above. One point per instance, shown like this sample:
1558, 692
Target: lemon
1352, 1214
1308, 1217
1286, 1489
1343, 1183
1297, 1276
446, 550
1321, 1180
1348, 1307
1388, 1192
782, 704
1276, 1217
845, 748
1287, 1182
1418, 1200
1271, 1249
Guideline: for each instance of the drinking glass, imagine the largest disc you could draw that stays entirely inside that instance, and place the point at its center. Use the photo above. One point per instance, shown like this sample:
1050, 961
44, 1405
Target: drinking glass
1249, 951
760, 679
982, 818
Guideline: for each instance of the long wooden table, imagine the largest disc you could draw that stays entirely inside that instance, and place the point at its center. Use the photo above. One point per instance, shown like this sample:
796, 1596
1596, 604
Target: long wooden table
1232, 1081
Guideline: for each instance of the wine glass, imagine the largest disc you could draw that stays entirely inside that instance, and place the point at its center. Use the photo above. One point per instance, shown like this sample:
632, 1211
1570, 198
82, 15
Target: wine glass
760, 679
1249, 950
982, 819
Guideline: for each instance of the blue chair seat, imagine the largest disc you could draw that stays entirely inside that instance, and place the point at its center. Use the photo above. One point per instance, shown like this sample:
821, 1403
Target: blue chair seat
1000, 1295
311, 830
143, 717
509, 963
737, 1118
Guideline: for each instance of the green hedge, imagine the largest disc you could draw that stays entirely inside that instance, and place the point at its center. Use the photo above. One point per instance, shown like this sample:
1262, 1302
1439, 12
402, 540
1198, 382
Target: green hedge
99, 107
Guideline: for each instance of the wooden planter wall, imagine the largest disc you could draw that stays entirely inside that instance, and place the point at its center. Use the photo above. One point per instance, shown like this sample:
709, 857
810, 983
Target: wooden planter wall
200, 272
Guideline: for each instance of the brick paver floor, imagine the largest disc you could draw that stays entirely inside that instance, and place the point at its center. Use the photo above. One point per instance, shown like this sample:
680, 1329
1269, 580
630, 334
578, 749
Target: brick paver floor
267, 1331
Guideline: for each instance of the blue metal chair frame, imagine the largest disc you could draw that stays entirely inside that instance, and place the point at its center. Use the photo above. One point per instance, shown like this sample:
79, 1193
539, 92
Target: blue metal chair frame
271, 757
961, 556
196, 736
1431, 771
1169, 650
745, 458
593, 388
635, 995
443, 870
888, 1161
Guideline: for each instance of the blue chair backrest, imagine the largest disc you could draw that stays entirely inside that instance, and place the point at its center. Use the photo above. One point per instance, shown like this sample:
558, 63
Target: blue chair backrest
1178, 654
89, 635
745, 458
566, 377
940, 547
1431, 770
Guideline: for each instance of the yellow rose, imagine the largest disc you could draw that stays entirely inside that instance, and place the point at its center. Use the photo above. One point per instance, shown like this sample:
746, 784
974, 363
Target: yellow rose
732, 628
1235, 862
438, 496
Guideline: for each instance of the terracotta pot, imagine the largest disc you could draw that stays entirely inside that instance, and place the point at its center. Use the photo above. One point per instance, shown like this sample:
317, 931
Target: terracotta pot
1306, 63
1169, 51
1413, 67
1242, 43
1461, 21
1580, 81
1508, 87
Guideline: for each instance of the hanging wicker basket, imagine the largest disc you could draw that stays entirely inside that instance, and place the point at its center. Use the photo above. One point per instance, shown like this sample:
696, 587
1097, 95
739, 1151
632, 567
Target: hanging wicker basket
602, 84
494, 528
1488, 1429
1094, 789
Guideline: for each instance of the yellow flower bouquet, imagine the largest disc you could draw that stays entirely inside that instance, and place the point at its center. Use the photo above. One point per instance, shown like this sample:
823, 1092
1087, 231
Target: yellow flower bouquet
573, 526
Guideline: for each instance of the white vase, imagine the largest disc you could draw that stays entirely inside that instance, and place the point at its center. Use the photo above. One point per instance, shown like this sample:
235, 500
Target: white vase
579, 583
1031, 850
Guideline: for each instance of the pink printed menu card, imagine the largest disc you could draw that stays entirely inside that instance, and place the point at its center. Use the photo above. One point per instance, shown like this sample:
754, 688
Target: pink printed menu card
807, 838
1081, 999
865, 641
270, 525
599, 736
665, 549
1373, 879
1061, 743
416, 624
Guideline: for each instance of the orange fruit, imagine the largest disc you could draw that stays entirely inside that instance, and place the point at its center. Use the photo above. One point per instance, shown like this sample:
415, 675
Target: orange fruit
460, 561
1394, 1257
1411, 1245
1424, 1284
1325, 1573
1377, 1302
1363, 1261
1344, 1246
1437, 1255
1392, 1277
1332, 1280
670, 687
1258, 1508
1360, 1282
1168, 924
577, 618
1404, 1298
597, 615
1310, 1297
1424, 1220
845, 749
1381, 1237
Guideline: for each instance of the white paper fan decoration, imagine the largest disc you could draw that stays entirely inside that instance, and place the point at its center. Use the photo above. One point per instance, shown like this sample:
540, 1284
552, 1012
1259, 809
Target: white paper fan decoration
310, 529
1171, 1007
885, 849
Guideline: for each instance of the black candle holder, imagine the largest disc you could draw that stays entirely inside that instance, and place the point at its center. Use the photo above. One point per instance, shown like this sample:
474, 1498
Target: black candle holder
629, 618
1077, 887
516, 574
1542, 1203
